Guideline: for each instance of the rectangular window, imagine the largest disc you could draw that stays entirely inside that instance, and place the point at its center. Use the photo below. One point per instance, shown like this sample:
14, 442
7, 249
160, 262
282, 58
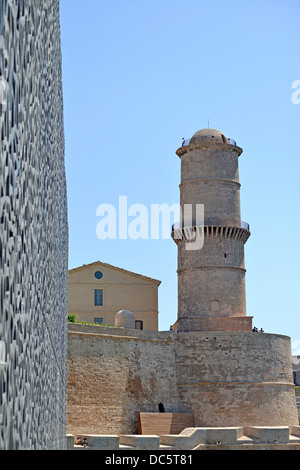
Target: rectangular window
98, 297
139, 325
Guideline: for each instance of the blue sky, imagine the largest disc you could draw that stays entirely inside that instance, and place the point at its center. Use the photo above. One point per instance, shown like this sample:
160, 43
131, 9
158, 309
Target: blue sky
138, 76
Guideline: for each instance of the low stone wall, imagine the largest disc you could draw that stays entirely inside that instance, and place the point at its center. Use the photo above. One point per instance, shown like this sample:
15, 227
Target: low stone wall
229, 438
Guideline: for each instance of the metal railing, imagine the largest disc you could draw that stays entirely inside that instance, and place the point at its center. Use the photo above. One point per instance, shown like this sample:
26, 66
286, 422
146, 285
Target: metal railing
186, 142
179, 225
245, 225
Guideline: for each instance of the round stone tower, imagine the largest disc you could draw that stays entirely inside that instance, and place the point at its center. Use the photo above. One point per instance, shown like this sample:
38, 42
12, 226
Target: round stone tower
211, 267
227, 375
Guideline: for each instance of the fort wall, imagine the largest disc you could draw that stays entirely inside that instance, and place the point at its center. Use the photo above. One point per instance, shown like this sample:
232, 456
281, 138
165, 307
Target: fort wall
224, 378
114, 373
236, 378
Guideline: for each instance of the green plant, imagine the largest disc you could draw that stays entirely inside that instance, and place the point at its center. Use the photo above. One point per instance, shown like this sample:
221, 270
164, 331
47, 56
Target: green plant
72, 318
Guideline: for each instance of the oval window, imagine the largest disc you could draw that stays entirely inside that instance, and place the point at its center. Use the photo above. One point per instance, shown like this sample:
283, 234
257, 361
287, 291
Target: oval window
98, 275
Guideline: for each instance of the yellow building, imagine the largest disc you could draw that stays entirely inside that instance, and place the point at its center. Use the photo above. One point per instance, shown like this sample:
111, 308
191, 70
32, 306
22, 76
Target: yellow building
98, 291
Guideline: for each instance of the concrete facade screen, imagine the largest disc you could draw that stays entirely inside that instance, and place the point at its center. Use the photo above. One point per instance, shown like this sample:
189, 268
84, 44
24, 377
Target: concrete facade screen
33, 229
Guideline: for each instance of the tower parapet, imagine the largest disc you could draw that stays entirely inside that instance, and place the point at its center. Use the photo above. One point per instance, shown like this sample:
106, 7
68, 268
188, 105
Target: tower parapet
211, 279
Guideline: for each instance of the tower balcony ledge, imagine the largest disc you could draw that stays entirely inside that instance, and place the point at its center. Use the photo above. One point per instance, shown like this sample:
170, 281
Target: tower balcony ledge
179, 225
191, 233
187, 146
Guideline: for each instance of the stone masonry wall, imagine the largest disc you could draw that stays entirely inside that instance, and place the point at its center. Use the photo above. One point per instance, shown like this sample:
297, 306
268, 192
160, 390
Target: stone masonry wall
114, 373
236, 379
199, 287
209, 176
224, 378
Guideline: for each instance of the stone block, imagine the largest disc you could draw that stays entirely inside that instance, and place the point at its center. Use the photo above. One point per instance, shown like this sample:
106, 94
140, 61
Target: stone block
192, 437
270, 434
70, 442
102, 441
188, 439
295, 431
140, 442
224, 436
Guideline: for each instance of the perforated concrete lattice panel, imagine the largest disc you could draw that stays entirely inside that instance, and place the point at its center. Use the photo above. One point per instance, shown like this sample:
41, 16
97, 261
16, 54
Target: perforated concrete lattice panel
33, 228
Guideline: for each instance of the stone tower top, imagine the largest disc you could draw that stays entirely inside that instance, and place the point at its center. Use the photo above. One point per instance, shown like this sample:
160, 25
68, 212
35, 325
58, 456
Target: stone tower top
208, 137
208, 134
